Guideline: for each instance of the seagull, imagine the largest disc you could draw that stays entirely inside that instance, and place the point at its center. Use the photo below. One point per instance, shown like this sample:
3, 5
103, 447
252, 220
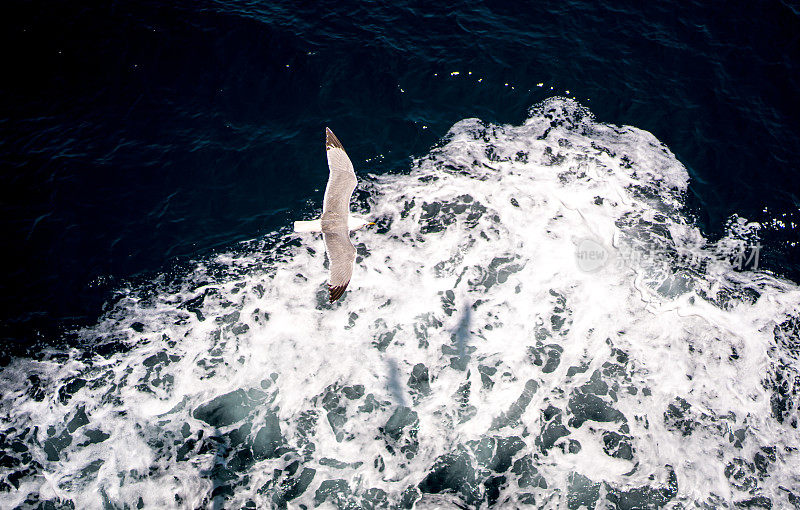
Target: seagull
336, 222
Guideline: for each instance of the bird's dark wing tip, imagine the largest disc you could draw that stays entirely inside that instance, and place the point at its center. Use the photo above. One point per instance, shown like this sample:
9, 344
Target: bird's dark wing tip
335, 293
331, 140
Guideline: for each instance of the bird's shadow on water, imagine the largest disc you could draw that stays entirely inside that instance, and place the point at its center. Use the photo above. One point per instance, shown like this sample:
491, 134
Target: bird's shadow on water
216, 472
395, 386
460, 338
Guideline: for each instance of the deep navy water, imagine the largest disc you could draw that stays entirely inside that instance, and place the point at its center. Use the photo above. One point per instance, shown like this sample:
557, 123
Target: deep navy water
546, 313
137, 134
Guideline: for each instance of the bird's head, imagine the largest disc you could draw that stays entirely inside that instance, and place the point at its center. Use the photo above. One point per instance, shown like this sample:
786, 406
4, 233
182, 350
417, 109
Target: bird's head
356, 223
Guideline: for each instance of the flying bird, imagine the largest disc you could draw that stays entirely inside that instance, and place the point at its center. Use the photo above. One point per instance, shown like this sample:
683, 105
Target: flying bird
336, 222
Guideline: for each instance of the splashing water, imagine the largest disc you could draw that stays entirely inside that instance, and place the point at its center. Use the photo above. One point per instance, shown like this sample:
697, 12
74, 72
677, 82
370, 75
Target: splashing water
533, 320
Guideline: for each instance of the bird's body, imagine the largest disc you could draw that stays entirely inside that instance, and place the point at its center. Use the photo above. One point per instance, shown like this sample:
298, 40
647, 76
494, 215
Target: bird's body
336, 222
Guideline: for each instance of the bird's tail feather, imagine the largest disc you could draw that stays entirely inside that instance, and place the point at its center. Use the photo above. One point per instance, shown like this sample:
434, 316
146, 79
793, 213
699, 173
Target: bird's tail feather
308, 226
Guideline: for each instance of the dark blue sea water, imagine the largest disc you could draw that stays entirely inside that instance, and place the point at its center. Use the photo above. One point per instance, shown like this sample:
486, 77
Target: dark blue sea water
154, 154
135, 134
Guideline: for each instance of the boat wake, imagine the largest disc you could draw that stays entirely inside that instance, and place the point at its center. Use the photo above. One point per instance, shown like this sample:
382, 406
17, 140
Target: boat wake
533, 320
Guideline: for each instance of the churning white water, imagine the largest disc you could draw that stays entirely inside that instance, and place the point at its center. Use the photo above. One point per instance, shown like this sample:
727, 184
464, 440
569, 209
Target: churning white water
534, 320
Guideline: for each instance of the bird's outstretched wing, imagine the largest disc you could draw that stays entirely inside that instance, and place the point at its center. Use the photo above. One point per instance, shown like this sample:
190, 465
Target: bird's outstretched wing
341, 254
341, 181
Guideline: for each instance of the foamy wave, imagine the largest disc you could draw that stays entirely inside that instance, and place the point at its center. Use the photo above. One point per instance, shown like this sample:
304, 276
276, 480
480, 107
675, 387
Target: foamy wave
499, 345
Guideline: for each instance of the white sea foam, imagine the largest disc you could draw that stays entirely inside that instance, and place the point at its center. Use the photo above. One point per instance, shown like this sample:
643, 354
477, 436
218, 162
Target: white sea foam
472, 361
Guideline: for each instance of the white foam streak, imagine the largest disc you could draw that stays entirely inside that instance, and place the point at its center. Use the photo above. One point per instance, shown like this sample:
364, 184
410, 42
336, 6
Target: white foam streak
468, 321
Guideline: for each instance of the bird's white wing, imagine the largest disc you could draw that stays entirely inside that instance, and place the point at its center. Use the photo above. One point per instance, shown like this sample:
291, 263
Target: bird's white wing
341, 254
341, 181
